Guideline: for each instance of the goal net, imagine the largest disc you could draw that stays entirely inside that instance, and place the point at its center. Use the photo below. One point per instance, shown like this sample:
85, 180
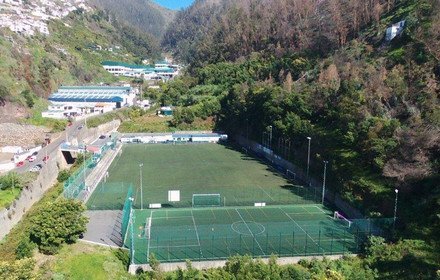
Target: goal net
206, 200
147, 230
343, 220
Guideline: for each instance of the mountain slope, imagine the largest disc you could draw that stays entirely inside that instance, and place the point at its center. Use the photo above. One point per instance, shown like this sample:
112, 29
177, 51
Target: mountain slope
32, 67
143, 15
371, 107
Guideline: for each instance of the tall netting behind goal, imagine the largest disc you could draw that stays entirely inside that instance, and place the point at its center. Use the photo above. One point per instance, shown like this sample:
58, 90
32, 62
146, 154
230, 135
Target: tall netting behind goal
126, 211
206, 200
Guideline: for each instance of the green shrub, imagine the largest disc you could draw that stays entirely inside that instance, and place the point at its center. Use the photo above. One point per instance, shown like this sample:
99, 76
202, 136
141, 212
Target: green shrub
63, 175
25, 248
57, 223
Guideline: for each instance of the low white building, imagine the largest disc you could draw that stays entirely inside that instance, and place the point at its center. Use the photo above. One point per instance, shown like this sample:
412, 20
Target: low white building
394, 30
72, 101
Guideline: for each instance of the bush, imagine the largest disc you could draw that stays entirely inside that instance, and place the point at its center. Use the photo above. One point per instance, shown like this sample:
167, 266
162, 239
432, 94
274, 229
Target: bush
63, 175
11, 180
57, 223
25, 248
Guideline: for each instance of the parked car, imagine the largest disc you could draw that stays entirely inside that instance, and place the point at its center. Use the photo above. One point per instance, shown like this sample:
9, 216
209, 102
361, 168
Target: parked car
45, 159
36, 168
102, 137
20, 163
32, 158
35, 153
80, 127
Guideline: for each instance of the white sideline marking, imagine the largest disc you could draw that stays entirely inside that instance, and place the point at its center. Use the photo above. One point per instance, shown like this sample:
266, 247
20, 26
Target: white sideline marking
197, 234
250, 231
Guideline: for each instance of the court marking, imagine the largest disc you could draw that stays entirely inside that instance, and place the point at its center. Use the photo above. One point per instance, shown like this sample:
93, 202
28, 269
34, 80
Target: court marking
148, 244
250, 231
197, 234
263, 229
302, 229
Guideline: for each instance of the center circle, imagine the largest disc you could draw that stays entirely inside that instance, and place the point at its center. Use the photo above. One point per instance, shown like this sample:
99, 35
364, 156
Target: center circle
250, 228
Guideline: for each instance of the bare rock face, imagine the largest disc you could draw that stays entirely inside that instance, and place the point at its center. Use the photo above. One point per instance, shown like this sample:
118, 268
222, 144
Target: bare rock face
26, 136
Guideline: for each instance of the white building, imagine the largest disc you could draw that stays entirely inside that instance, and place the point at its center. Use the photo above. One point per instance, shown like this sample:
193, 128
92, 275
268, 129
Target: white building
394, 30
74, 101
159, 71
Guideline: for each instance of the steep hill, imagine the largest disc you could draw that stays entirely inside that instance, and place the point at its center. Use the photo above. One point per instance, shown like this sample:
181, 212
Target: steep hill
33, 66
143, 15
323, 69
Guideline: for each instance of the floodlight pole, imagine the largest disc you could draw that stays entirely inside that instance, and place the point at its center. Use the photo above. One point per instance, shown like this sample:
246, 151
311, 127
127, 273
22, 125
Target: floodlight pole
85, 113
140, 178
308, 156
323, 182
270, 137
395, 209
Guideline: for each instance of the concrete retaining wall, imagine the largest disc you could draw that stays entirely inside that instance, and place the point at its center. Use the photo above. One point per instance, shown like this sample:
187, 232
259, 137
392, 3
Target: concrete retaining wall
31, 193
47, 177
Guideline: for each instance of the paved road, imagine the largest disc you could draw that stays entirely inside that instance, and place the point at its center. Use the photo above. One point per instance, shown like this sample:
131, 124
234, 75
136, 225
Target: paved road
72, 131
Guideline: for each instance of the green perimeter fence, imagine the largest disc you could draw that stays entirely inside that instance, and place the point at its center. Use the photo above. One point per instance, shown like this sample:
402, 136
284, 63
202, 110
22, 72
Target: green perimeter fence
75, 186
283, 241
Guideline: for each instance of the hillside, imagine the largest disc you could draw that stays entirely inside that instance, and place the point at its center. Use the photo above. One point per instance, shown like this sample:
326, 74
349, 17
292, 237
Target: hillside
72, 52
323, 69
143, 15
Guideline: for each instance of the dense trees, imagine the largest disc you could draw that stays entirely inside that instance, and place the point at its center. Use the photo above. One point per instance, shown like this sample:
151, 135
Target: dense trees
370, 107
213, 31
59, 222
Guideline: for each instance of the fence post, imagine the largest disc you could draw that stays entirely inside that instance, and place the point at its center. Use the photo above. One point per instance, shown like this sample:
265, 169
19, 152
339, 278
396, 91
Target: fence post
293, 243
212, 246
267, 242
305, 247
331, 242
319, 237
279, 246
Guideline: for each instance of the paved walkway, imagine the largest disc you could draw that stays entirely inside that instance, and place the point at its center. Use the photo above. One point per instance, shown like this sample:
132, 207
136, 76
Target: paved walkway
100, 171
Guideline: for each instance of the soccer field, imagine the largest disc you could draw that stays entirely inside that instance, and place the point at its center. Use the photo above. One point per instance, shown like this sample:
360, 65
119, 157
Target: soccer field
240, 180
218, 233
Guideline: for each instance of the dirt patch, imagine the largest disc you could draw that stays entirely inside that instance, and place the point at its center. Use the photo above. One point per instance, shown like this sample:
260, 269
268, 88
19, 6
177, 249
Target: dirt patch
26, 136
11, 112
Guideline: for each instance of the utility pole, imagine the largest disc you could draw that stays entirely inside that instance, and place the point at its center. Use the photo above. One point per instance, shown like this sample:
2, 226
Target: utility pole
308, 157
140, 179
323, 182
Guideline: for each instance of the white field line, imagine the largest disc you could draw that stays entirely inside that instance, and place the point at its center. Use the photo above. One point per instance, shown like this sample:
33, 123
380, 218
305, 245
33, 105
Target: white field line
300, 228
197, 234
250, 231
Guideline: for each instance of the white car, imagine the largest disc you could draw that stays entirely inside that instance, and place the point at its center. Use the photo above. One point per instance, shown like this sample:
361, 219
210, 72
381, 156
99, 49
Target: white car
36, 168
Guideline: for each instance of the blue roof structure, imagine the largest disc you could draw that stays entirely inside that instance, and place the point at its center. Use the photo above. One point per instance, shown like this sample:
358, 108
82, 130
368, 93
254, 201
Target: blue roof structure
90, 94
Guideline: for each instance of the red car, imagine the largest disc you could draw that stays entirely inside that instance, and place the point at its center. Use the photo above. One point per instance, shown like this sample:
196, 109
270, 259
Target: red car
46, 158
20, 163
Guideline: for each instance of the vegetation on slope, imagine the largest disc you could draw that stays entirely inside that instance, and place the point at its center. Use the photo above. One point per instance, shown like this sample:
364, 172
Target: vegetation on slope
33, 67
143, 15
371, 107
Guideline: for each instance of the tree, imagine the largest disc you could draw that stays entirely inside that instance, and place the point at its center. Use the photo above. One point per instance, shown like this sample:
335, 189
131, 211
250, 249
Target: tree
11, 180
57, 223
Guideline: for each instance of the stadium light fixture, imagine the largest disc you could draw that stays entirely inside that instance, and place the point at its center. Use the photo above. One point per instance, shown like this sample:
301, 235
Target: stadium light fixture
308, 156
323, 182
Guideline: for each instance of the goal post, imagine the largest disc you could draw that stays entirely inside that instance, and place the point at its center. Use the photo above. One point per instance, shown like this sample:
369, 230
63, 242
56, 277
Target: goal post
147, 230
206, 200
343, 220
